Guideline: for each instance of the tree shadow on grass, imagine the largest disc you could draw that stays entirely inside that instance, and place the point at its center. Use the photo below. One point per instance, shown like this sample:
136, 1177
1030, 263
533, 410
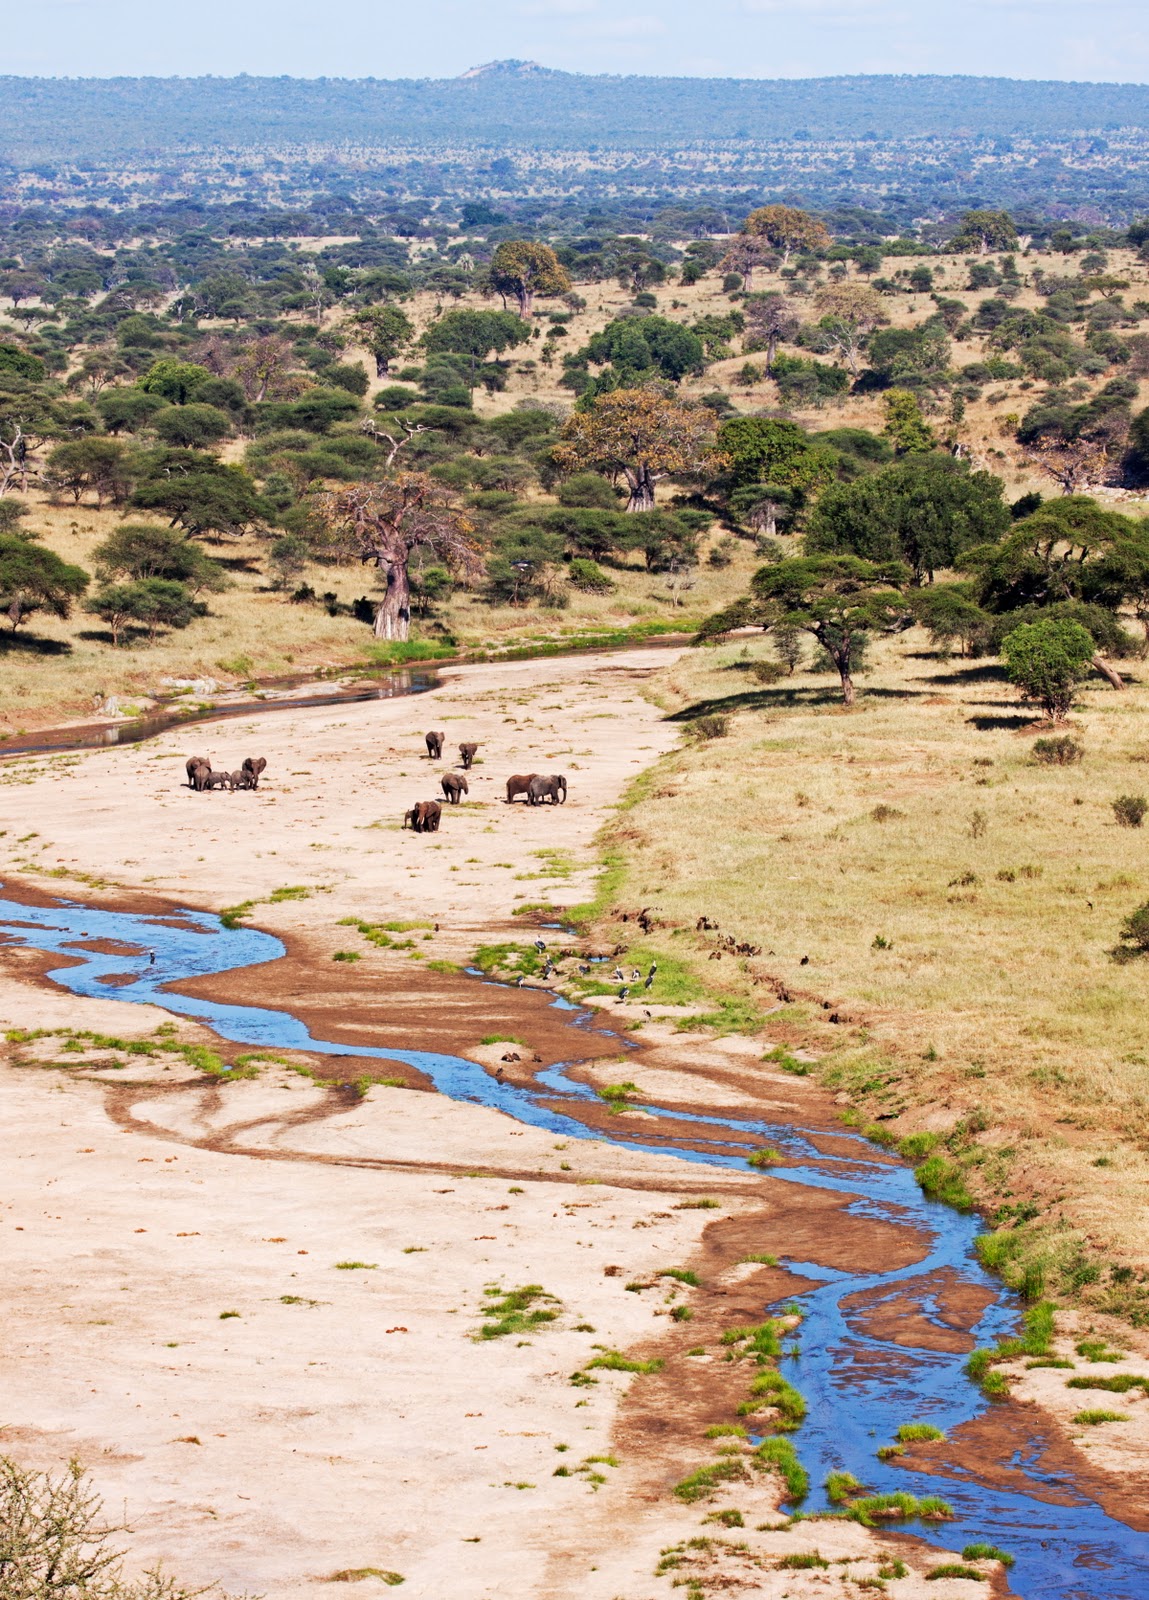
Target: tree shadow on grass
1011, 722
30, 644
782, 700
985, 672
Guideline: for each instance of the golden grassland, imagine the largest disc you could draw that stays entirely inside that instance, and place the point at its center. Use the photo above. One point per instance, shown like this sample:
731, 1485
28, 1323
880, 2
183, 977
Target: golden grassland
939, 910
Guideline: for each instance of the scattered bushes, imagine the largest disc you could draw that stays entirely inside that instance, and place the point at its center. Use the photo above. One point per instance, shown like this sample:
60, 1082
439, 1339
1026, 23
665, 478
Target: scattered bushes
712, 726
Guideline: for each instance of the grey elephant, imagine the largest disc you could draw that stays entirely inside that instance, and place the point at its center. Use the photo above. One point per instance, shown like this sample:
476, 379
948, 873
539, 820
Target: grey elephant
254, 765
454, 785
198, 771
519, 783
424, 816
435, 745
553, 789
467, 753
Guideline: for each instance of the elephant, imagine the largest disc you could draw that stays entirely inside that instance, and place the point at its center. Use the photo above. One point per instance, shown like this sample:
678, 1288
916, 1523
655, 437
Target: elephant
553, 789
424, 816
242, 780
454, 784
254, 765
468, 753
520, 783
435, 746
198, 771
218, 780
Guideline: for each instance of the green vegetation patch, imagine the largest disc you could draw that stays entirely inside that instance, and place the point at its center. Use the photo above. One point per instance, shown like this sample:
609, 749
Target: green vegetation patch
513, 1313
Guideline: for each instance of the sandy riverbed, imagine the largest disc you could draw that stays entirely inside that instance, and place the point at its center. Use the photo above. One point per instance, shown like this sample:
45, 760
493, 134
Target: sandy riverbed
345, 1420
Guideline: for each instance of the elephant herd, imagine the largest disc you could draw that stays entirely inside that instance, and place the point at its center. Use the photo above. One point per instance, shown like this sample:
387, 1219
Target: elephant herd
201, 776
427, 814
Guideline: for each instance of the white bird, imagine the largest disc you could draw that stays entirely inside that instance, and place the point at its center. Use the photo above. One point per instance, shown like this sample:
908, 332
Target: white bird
635, 975
619, 975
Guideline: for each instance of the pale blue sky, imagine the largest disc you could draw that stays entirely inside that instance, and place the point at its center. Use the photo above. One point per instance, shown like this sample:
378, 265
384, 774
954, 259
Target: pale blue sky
1079, 39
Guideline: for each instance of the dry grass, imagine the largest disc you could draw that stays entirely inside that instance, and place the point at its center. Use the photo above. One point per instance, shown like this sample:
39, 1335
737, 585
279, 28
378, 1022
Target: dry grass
995, 988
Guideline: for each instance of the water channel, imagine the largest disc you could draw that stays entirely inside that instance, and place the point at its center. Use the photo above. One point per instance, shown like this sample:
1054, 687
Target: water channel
859, 1387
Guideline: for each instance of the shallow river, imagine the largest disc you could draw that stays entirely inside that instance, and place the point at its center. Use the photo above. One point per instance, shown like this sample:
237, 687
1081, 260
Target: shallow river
859, 1388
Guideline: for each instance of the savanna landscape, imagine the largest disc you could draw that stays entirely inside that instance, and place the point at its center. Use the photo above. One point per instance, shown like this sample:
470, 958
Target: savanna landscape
790, 1055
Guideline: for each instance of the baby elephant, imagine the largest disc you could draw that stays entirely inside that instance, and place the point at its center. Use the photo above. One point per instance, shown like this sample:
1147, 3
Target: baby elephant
454, 784
218, 780
468, 753
254, 766
553, 789
435, 745
198, 771
424, 817
242, 780
520, 783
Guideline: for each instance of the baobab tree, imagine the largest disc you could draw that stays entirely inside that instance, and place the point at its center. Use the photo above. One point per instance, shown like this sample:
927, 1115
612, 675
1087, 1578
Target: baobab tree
787, 229
522, 268
849, 313
640, 434
386, 523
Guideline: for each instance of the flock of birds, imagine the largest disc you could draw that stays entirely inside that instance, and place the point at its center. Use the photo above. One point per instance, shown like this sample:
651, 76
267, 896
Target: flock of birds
586, 967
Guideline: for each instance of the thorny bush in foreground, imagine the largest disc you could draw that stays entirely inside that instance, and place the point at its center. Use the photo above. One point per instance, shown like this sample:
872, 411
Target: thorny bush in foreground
55, 1543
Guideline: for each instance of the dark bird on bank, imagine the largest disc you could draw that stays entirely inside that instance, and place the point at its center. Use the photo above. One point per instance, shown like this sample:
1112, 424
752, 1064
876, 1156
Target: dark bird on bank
623, 992
805, 961
584, 968
540, 945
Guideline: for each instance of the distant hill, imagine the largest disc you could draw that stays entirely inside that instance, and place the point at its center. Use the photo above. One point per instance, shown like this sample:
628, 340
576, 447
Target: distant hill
102, 120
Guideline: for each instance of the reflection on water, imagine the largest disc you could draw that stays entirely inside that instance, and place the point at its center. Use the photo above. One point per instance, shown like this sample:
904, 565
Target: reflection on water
859, 1387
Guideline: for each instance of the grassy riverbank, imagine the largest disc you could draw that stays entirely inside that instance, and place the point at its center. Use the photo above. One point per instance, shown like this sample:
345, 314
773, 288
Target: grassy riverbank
931, 913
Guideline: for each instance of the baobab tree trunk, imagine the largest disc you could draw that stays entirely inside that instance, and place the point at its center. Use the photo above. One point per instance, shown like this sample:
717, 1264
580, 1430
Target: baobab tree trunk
526, 299
393, 616
641, 484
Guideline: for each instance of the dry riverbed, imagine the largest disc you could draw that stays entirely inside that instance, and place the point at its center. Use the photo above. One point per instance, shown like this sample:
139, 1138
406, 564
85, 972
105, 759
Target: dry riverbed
250, 1308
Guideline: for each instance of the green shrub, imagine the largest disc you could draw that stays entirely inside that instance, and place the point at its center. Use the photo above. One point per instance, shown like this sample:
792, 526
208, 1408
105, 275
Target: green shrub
1130, 809
942, 1180
770, 1388
615, 1361
840, 1487
1058, 752
701, 1483
512, 1309
954, 1569
802, 1561
1092, 1419
711, 726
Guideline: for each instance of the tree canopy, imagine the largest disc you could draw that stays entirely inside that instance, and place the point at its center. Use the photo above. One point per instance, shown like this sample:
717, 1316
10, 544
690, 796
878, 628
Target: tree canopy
641, 435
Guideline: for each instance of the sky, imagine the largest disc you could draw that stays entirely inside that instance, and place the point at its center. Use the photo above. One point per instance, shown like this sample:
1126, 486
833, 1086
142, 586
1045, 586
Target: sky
1098, 40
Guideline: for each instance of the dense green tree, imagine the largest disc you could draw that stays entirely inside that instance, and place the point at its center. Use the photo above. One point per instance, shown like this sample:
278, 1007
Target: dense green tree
384, 330
192, 426
35, 579
128, 407
142, 550
925, 510
589, 489
173, 380
638, 347
1047, 661
984, 231
522, 269
905, 427
476, 333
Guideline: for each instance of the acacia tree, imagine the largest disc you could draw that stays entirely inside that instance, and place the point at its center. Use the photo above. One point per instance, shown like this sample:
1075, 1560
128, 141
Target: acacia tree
523, 268
264, 369
839, 600
384, 330
849, 313
641, 435
385, 524
34, 579
787, 229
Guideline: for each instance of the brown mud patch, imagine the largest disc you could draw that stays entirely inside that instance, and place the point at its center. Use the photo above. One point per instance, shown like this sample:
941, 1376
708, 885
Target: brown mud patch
986, 1451
934, 1312
101, 947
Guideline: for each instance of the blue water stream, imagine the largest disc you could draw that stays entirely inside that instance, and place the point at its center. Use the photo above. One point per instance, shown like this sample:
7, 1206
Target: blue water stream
859, 1388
